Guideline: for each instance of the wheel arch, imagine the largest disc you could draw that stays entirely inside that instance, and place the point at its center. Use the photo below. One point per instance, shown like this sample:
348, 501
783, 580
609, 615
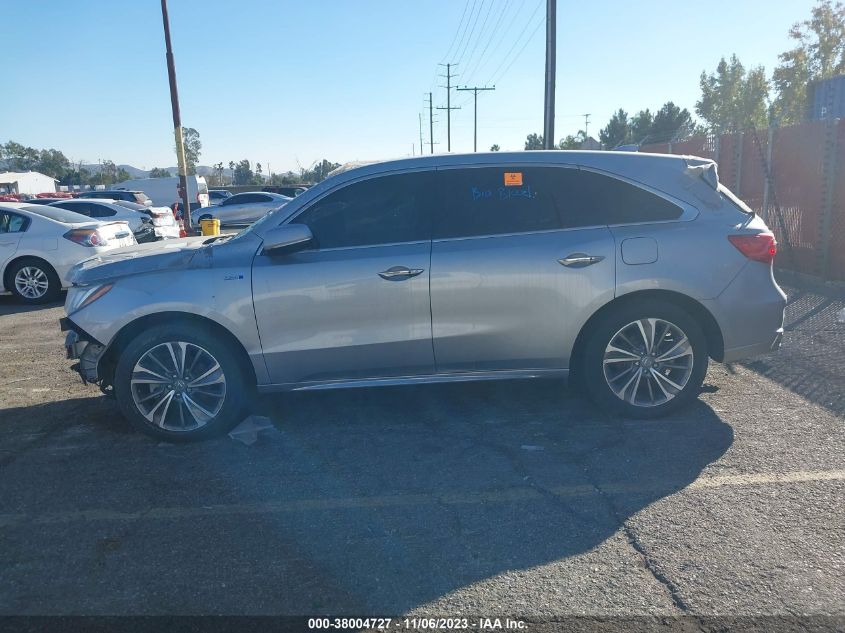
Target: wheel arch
128, 332
7, 270
708, 323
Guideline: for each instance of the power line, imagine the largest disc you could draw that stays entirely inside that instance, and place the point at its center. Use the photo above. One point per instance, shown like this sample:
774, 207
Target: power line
471, 73
475, 90
469, 39
530, 37
480, 34
465, 31
455, 36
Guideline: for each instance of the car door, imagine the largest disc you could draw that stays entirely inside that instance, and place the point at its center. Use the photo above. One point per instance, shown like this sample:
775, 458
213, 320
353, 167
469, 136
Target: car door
237, 209
12, 227
355, 305
517, 267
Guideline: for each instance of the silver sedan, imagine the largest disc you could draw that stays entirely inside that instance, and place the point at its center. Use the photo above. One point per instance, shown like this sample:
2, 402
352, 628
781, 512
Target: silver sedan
241, 209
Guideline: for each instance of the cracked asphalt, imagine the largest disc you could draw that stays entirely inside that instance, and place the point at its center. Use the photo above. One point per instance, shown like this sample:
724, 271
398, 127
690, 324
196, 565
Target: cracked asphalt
515, 498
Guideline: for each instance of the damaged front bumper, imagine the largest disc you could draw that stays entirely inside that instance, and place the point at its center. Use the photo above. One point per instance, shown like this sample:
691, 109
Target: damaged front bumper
84, 348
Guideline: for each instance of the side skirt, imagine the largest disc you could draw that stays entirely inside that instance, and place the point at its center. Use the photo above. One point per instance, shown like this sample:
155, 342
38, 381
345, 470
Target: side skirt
393, 381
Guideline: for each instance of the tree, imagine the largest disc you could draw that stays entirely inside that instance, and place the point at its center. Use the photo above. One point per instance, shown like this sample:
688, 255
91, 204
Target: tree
53, 163
319, 172
534, 141
617, 131
641, 125
573, 141
242, 174
258, 179
19, 157
494, 148
819, 54
669, 123
733, 99
193, 147
158, 172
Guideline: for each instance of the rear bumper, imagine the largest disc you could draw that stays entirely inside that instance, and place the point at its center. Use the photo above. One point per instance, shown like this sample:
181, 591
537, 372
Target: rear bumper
755, 349
750, 313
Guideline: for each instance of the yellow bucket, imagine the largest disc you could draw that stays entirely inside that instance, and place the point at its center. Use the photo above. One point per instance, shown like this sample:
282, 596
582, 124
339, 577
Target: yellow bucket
210, 226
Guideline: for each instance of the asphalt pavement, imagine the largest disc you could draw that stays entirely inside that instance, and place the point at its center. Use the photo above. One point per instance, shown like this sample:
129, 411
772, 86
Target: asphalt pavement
515, 498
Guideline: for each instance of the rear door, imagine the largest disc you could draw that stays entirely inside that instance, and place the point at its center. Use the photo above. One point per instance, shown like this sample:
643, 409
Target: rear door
12, 227
518, 265
356, 304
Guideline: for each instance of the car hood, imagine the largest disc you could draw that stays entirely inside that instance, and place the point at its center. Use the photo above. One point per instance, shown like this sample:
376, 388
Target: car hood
191, 252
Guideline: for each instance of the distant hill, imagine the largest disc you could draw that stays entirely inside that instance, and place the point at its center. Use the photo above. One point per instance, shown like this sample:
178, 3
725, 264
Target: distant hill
202, 170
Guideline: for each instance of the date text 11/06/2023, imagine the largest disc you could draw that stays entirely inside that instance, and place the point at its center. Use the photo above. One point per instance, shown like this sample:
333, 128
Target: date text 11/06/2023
418, 624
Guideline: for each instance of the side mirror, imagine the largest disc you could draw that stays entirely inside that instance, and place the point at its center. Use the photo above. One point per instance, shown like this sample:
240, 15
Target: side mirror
287, 238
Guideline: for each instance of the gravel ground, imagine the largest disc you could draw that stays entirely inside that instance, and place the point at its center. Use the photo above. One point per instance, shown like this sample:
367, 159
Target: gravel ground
473, 499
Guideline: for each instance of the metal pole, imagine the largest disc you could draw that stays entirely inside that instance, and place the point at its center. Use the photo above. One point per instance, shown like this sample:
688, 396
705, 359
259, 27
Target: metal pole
549, 105
177, 121
421, 141
430, 124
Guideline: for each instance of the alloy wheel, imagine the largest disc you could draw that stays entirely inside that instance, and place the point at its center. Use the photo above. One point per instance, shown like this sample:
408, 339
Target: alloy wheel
31, 282
648, 362
178, 386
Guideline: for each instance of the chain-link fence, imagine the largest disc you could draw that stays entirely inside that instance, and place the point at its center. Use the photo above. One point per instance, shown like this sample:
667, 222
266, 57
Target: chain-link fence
793, 177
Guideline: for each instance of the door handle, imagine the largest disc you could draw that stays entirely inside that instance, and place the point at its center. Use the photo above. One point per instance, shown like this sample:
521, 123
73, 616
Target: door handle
400, 272
580, 260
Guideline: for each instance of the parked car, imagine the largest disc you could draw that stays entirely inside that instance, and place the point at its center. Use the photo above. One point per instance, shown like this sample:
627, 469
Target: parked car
136, 196
164, 192
627, 270
148, 224
241, 209
44, 200
216, 196
39, 244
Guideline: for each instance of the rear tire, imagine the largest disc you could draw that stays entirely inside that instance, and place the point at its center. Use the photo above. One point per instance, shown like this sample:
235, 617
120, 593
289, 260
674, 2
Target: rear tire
181, 383
34, 281
645, 360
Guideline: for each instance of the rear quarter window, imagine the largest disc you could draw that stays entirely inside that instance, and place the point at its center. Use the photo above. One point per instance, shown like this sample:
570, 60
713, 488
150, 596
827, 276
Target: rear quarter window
613, 201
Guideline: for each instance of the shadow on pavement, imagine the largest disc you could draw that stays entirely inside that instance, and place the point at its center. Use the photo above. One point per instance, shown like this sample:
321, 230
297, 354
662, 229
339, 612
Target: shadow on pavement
364, 501
10, 304
810, 361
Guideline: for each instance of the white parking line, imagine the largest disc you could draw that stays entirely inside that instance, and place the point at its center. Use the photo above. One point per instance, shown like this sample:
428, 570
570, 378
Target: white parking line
507, 495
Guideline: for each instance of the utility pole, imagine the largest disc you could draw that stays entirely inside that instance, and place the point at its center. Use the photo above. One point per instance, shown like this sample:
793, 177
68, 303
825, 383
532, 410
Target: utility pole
475, 90
421, 141
430, 124
551, 46
586, 126
177, 121
448, 107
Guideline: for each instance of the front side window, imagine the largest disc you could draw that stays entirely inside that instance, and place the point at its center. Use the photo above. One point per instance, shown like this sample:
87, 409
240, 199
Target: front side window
382, 210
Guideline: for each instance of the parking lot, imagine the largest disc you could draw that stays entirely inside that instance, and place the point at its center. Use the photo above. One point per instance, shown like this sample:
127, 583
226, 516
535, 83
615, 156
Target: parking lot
518, 498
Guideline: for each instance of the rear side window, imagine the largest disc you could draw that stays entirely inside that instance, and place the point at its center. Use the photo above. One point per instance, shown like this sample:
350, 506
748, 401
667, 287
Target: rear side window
12, 222
140, 197
382, 210
615, 201
520, 199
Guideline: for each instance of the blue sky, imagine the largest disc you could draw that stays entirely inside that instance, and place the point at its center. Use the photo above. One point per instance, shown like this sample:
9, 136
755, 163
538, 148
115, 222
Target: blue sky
287, 82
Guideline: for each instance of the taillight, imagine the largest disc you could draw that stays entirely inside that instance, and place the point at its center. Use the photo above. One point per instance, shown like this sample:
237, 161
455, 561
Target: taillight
761, 247
86, 237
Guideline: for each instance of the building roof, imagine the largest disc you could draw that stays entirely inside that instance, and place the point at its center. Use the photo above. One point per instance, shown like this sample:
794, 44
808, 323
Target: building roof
15, 176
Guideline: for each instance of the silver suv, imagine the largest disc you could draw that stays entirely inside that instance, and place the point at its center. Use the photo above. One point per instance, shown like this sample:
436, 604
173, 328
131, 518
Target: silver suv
628, 271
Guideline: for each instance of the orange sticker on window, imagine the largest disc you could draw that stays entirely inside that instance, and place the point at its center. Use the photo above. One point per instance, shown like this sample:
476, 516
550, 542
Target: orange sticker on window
513, 179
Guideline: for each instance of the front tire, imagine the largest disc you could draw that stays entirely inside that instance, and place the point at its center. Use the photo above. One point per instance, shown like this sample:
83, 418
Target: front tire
180, 383
34, 281
645, 360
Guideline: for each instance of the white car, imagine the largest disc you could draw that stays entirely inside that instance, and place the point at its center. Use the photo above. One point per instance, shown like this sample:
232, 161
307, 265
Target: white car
148, 224
39, 244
